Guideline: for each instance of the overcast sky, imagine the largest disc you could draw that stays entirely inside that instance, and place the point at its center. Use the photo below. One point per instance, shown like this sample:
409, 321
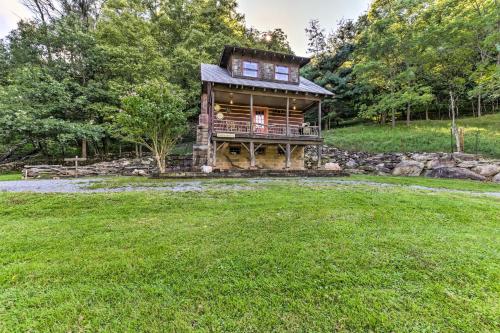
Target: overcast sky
293, 16
290, 15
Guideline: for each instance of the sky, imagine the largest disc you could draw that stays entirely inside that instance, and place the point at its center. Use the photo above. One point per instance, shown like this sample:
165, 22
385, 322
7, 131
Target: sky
294, 15
290, 15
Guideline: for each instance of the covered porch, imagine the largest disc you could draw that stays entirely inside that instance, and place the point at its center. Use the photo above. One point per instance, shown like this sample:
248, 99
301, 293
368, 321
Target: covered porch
252, 114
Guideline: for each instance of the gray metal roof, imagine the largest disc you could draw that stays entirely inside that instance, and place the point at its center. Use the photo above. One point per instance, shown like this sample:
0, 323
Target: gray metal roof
216, 74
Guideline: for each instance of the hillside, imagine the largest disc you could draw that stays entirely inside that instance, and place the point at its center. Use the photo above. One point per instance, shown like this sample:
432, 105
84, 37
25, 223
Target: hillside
420, 136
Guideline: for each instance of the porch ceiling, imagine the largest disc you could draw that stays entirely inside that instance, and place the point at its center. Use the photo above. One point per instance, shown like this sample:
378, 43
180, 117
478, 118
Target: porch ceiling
222, 97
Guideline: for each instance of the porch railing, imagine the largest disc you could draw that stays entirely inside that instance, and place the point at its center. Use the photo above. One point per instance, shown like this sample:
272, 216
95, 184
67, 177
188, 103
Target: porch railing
243, 127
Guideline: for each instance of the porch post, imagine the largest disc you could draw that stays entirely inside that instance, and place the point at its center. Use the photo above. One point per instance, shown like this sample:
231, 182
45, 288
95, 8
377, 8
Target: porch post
214, 157
288, 156
252, 154
251, 114
287, 116
319, 119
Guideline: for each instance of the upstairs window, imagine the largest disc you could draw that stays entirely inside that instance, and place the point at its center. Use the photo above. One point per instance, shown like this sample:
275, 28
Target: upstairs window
281, 73
250, 69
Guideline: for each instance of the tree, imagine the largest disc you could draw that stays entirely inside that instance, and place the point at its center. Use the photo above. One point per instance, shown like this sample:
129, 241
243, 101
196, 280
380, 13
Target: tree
316, 36
153, 117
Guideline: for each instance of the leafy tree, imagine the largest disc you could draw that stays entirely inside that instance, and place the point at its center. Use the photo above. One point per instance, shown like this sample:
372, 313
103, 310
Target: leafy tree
153, 117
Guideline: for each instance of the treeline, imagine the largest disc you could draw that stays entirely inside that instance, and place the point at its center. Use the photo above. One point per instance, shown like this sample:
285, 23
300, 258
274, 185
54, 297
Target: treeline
407, 59
64, 73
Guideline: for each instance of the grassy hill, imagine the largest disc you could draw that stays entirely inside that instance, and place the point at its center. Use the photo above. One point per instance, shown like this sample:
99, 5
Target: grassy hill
420, 136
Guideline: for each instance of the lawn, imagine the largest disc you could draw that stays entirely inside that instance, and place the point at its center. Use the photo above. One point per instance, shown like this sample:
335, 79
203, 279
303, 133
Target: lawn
10, 176
276, 257
421, 136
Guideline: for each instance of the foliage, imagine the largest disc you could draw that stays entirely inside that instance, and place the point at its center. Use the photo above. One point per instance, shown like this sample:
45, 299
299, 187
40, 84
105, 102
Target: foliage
94, 52
153, 116
411, 56
290, 257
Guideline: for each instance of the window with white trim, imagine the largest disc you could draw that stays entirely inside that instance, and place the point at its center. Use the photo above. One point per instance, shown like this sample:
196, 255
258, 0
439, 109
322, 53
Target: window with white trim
250, 69
281, 73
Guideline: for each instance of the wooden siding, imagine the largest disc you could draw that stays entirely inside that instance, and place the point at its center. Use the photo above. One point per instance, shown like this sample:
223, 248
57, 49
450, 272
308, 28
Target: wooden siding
266, 69
274, 116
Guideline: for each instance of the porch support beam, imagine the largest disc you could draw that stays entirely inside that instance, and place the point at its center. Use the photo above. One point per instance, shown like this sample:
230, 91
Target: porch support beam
245, 146
252, 154
319, 119
214, 154
288, 154
287, 116
251, 113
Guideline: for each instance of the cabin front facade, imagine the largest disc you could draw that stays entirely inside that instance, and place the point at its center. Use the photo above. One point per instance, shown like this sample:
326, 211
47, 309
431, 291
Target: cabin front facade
252, 112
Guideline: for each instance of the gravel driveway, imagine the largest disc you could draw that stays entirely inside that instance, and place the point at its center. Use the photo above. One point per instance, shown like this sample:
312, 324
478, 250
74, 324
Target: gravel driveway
82, 185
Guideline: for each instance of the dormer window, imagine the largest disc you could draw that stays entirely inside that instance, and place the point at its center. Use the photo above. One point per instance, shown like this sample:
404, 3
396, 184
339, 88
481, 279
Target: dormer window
250, 69
281, 73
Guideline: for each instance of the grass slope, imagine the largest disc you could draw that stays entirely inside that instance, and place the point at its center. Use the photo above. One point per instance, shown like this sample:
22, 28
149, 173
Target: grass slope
420, 136
280, 258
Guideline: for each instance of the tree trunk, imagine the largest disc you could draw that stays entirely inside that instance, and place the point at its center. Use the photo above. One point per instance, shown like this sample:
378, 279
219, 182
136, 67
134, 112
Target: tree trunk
393, 118
453, 123
408, 117
479, 105
427, 112
84, 148
383, 118
161, 162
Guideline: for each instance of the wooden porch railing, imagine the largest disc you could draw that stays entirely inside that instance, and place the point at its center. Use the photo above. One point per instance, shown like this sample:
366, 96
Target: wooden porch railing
243, 127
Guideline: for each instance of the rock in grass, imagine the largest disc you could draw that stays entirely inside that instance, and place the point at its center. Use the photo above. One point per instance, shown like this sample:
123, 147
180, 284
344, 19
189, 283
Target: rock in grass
487, 170
496, 179
454, 173
408, 168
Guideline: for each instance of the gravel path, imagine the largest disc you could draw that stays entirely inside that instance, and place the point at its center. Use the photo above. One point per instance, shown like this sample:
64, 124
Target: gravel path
82, 186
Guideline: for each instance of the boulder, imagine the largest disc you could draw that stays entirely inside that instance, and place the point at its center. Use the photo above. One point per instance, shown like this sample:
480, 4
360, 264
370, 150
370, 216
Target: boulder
455, 173
464, 157
139, 172
423, 157
408, 168
333, 167
487, 170
382, 170
496, 179
468, 164
440, 163
351, 164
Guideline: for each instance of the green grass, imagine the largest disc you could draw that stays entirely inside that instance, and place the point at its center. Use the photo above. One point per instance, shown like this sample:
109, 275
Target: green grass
281, 257
10, 176
421, 136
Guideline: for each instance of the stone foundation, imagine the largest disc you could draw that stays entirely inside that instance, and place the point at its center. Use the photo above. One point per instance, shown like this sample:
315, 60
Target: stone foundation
268, 157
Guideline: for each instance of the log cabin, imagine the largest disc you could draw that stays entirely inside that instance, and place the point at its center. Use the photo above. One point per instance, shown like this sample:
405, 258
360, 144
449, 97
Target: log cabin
252, 112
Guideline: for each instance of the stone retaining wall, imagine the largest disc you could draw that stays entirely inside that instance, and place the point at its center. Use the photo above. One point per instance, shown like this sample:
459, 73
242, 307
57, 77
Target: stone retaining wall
145, 166
436, 165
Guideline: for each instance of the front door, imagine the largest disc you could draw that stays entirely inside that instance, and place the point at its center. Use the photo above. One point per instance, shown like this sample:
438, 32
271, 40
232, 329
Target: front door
260, 120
